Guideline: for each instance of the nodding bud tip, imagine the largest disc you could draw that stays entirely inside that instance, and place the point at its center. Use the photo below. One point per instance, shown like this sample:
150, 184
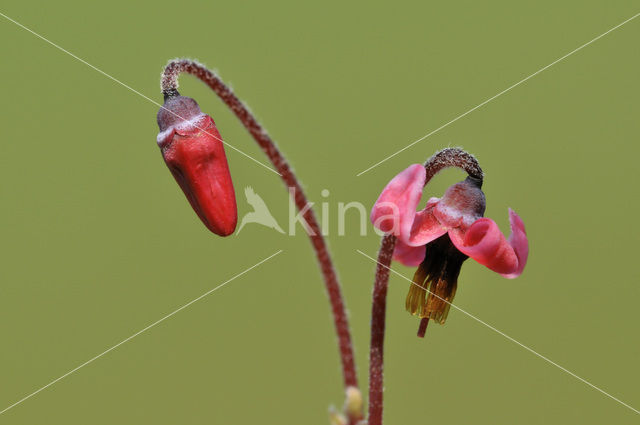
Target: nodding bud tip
193, 150
176, 110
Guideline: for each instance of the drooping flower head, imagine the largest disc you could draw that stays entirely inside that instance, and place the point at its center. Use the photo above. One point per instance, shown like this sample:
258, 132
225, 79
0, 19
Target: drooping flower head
192, 149
447, 231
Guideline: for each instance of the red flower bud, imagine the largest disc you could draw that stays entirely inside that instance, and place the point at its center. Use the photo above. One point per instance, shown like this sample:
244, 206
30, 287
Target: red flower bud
192, 149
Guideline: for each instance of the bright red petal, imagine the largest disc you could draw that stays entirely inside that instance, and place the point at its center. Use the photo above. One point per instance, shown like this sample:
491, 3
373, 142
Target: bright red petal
197, 160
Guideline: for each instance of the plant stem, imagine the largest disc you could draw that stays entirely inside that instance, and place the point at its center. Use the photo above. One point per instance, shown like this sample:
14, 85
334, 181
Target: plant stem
379, 304
449, 157
422, 329
169, 88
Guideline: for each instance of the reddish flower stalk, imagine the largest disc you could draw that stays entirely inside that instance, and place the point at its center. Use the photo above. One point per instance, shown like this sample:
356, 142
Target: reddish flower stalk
450, 157
379, 304
169, 88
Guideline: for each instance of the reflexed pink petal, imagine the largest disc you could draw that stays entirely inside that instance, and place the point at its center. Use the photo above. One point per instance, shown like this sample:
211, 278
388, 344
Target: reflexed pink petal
426, 226
395, 208
410, 256
519, 242
484, 242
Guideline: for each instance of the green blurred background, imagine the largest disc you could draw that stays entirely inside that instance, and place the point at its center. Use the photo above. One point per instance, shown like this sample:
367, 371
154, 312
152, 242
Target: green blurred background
98, 242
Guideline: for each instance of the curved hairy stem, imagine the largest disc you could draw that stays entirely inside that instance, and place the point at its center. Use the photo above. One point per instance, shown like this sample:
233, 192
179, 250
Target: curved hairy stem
169, 85
376, 353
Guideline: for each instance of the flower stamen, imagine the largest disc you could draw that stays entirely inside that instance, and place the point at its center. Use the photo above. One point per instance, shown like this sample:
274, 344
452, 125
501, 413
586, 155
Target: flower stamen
437, 275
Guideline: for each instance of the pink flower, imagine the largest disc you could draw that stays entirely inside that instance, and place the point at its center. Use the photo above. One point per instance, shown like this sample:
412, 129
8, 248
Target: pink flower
440, 237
